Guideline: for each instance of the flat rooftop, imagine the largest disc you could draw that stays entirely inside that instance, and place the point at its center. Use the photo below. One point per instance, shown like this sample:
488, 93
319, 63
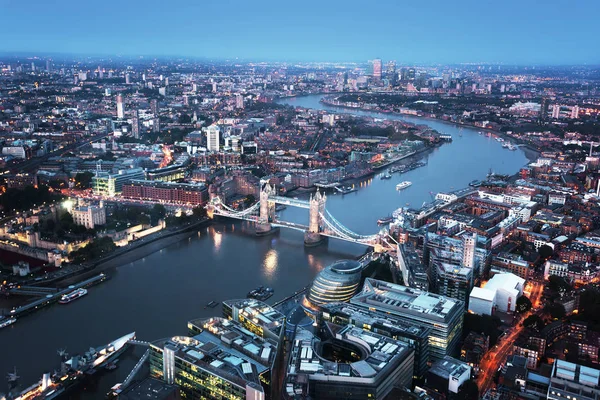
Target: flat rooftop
406, 301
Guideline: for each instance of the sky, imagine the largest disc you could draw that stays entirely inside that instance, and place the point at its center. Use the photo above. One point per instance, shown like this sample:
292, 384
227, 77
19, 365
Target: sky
520, 32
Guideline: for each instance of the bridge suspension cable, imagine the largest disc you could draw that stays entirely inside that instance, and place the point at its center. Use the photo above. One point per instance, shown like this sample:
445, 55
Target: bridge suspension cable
338, 226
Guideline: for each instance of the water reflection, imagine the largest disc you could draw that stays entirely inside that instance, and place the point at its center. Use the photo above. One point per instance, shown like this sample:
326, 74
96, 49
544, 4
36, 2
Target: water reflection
217, 237
270, 264
315, 263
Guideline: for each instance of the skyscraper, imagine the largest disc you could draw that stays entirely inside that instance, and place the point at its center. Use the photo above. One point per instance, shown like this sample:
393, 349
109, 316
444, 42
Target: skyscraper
127, 79
120, 108
212, 138
156, 125
556, 111
154, 107
135, 125
239, 101
544, 109
377, 68
100, 72
48, 65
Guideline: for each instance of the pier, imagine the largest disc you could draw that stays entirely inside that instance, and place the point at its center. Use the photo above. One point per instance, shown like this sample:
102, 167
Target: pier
50, 298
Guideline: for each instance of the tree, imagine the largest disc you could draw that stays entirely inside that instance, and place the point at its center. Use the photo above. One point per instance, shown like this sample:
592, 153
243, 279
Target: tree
523, 304
83, 180
559, 284
158, 212
199, 212
546, 252
468, 391
534, 322
555, 310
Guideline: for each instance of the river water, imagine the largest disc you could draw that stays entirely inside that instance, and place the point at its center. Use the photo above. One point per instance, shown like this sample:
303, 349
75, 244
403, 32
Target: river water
156, 296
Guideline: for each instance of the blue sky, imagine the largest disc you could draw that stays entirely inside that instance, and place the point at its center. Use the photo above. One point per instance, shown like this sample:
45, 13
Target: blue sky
415, 31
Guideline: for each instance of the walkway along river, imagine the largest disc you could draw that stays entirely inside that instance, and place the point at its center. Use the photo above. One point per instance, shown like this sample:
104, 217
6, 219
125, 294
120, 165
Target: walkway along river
156, 295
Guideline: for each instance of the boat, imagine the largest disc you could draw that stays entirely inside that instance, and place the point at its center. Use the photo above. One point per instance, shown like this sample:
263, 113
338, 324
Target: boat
403, 185
7, 322
397, 168
386, 176
72, 371
511, 147
261, 293
280, 207
74, 295
505, 145
212, 304
475, 183
384, 221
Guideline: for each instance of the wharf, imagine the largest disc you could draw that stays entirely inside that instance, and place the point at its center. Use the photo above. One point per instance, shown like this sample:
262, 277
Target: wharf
54, 297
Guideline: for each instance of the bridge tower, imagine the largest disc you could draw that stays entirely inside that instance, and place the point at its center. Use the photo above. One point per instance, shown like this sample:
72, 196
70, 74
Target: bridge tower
267, 210
312, 237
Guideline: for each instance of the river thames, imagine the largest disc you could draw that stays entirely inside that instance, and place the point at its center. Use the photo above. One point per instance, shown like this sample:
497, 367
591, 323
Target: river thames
156, 296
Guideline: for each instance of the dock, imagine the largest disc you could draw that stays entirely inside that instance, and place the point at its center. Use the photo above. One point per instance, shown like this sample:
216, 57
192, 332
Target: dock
53, 297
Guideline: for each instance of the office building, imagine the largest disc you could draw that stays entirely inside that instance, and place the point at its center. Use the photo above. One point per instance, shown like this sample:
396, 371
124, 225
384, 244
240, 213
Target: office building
446, 376
150, 389
336, 282
223, 361
414, 273
256, 316
377, 66
573, 381
120, 107
556, 111
443, 315
109, 184
414, 335
89, 216
127, 79
156, 124
461, 252
212, 138
171, 173
346, 362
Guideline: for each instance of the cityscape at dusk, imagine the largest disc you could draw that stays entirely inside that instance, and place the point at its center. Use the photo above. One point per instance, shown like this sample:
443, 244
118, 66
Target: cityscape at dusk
299, 201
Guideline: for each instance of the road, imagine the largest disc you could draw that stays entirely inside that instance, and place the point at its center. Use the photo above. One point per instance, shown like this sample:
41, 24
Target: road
496, 356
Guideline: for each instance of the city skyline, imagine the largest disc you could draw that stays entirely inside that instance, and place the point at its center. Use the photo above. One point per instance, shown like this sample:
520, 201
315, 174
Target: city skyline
469, 32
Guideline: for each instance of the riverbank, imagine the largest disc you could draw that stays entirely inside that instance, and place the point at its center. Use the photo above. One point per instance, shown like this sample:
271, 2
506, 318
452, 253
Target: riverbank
531, 153
142, 248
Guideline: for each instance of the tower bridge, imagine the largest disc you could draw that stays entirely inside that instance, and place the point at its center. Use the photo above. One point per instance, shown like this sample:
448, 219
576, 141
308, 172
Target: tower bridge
321, 223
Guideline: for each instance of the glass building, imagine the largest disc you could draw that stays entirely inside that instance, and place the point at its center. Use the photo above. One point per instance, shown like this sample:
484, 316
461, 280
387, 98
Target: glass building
442, 314
223, 360
346, 362
336, 282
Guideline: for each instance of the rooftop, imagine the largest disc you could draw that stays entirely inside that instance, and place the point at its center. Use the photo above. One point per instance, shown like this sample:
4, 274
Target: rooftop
404, 300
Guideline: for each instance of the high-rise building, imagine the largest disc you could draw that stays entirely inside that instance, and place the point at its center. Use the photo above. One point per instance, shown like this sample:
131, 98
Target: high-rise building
154, 107
575, 112
556, 111
377, 66
156, 124
544, 108
100, 72
127, 79
469, 244
162, 91
32, 66
48, 65
120, 107
442, 314
239, 101
452, 281
212, 138
135, 125
390, 72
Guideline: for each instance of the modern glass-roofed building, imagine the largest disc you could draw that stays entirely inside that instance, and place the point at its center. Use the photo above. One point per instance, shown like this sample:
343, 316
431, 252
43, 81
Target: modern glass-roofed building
223, 361
336, 282
346, 362
442, 314
414, 335
256, 316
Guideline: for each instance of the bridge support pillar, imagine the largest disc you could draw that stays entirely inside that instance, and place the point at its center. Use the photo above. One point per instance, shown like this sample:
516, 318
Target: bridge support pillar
312, 237
266, 212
